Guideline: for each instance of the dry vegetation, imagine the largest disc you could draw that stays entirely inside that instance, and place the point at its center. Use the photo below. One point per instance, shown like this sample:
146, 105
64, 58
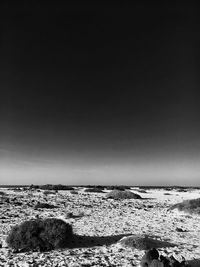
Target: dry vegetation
39, 235
190, 206
118, 194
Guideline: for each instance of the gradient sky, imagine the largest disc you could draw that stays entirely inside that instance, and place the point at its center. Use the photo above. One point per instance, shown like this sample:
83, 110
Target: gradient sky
99, 94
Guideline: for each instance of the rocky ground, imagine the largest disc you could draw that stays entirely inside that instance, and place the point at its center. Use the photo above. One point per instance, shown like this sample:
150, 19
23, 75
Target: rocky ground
101, 223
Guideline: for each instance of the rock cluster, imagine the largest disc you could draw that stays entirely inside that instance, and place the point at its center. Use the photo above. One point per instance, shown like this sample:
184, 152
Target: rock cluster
153, 259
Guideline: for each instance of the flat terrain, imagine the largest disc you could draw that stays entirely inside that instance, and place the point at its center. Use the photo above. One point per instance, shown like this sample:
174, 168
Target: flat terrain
100, 223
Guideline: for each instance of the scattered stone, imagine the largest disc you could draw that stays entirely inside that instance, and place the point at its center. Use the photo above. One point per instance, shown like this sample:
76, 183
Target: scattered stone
180, 230
149, 256
153, 259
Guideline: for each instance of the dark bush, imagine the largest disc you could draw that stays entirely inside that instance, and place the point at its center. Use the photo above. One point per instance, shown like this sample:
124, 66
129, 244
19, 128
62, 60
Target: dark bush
117, 187
44, 206
93, 190
118, 194
168, 188
55, 187
96, 186
39, 235
181, 190
34, 186
100, 187
73, 192
190, 206
52, 187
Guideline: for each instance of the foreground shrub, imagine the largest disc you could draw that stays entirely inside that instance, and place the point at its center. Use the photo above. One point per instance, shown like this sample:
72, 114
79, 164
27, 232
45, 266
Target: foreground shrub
190, 206
118, 194
39, 235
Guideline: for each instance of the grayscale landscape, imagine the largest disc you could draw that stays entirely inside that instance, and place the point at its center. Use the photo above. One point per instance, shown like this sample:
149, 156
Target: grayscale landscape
105, 230
99, 134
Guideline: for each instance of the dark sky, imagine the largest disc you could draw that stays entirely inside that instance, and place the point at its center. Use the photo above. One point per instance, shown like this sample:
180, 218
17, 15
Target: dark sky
99, 93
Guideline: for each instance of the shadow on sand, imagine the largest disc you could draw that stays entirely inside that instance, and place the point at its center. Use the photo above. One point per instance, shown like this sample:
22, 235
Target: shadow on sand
78, 241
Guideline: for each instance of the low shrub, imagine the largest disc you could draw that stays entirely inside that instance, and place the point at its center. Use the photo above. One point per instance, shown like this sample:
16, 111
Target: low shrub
118, 187
181, 190
118, 194
102, 187
190, 206
56, 187
52, 187
93, 190
39, 235
74, 192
